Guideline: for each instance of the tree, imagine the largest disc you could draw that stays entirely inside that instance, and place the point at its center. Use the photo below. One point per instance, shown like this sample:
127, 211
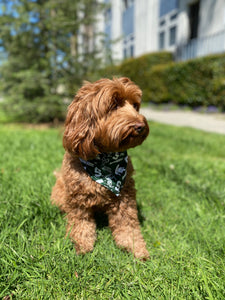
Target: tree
48, 46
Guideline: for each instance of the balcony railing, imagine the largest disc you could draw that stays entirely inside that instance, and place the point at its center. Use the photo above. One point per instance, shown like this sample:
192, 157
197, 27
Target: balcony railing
201, 46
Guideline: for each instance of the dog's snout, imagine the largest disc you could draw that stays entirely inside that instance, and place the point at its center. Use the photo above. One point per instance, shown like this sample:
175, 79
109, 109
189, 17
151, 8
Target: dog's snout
139, 127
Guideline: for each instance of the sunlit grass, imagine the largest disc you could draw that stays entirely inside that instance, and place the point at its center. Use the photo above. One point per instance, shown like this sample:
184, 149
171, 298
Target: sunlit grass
180, 178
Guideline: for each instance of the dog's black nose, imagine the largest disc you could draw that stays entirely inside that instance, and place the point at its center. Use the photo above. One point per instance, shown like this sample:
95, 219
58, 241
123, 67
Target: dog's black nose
139, 127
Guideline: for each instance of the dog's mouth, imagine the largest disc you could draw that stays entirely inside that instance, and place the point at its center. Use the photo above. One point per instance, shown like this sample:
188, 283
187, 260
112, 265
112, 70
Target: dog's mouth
134, 136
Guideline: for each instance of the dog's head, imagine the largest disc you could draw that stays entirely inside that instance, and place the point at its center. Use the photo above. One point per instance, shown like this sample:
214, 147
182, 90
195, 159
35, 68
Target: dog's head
104, 117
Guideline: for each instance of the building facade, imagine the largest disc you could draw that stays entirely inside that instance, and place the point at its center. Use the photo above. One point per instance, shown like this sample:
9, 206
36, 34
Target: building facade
201, 28
188, 28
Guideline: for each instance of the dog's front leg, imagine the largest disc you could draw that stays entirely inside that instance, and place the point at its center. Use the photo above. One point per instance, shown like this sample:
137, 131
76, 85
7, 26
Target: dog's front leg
125, 227
81, 228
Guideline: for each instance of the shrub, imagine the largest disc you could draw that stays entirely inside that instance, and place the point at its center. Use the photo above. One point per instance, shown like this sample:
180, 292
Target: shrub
28, 96
41, 109
136, 68
197, 82
218, 98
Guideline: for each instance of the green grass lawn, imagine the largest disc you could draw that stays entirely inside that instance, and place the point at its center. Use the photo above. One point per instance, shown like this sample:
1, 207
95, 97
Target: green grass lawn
180, 178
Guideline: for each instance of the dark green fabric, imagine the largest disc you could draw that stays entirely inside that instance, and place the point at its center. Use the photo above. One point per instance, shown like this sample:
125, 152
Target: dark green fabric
108, 169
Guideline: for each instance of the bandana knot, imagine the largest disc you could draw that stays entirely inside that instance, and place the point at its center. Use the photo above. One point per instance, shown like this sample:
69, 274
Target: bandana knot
108, 169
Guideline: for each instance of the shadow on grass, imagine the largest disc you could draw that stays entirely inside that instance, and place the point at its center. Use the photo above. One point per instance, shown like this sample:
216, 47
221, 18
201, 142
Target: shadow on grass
102, 219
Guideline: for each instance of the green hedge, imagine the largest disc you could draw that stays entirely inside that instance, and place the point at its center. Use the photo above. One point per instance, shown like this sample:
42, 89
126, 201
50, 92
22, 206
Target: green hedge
197, 82
137, 68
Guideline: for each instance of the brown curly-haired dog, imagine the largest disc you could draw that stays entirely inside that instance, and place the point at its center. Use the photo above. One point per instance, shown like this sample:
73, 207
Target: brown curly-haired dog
103, 121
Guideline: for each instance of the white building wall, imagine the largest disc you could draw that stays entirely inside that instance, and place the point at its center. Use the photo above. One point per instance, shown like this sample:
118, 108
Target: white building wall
183, 28
212, 17
146, 14
167, 22
146, 26
99, 28
116, 31
211, 29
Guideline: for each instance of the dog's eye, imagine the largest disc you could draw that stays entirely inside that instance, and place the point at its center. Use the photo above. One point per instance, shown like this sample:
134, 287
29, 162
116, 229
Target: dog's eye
113, 106
136, 106
116, 104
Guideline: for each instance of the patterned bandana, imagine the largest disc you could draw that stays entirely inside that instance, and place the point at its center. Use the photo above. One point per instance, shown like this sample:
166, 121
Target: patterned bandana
108, 169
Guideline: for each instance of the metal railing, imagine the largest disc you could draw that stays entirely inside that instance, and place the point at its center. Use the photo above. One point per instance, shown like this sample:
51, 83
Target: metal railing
212, 44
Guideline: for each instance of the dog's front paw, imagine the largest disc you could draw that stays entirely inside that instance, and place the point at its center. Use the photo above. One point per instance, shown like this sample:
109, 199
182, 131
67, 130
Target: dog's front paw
142, 253
82, 249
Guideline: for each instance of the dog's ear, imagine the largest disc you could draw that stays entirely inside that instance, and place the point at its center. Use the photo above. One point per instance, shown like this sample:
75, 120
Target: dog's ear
80, 127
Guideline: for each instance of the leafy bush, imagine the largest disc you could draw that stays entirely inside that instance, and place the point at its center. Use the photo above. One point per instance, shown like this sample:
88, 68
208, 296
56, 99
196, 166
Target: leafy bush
28, 97
136, 68
197, 82
218, 88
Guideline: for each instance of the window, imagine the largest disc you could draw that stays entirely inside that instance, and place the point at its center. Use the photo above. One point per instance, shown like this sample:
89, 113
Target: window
108, 16
166, 6
127, 4
128, 46
172, 35
132, 51
173, 17
168, 22
162, 22
128, 52
124, 53
162, 40
194, 18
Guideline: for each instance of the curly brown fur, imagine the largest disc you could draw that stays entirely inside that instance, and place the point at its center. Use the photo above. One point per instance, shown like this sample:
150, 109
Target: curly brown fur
103, 117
